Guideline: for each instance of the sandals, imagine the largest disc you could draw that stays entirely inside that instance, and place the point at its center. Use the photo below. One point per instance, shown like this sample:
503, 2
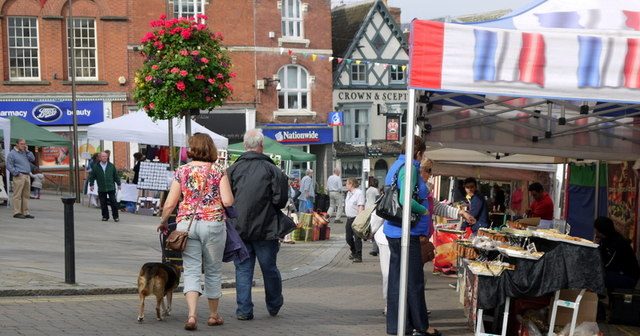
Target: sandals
191, 326
215, 320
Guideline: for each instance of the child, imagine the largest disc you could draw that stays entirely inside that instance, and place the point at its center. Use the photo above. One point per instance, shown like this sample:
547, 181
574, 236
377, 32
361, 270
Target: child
36, 185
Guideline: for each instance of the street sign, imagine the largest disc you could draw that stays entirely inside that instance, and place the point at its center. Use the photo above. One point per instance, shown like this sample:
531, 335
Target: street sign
335, 119
366, 165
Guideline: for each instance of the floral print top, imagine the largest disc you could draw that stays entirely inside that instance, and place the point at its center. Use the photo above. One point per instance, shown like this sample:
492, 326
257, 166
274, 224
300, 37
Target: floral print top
198, 188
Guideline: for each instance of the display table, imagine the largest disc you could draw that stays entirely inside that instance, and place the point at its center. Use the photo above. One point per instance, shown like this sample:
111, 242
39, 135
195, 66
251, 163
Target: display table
563, 266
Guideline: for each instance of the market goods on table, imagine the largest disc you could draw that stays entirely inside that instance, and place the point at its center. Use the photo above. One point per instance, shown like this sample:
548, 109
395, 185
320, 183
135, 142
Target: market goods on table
489, 268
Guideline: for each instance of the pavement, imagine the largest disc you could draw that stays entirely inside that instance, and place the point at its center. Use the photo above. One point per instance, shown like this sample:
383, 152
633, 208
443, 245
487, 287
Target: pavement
109, 255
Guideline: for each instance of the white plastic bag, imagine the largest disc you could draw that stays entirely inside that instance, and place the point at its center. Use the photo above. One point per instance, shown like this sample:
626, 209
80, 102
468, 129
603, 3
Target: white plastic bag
584, 329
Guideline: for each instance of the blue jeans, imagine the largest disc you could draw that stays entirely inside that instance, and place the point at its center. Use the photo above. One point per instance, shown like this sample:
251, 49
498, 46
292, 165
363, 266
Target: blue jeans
267, 252
416, 317
204, 250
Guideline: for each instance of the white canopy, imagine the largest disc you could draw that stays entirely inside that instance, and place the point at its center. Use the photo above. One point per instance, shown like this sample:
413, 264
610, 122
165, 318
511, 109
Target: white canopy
5, 126
139, 127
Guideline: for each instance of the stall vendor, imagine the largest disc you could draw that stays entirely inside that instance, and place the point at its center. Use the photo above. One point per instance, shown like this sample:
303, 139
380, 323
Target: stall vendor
620, 262
542, 205
477, 206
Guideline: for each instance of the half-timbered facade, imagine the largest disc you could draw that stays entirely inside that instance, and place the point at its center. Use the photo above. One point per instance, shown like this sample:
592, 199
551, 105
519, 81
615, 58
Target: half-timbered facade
370, 85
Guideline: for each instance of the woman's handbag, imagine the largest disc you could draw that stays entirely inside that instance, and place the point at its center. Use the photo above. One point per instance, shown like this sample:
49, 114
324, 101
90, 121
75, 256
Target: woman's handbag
362, 223
427, 249
177, 240
388, 204
286, 225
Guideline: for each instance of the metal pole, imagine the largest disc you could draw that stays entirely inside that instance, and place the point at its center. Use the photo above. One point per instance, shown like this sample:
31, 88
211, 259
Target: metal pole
187, 124
69, 241
597, 197
74, 108
171, 158
406, 213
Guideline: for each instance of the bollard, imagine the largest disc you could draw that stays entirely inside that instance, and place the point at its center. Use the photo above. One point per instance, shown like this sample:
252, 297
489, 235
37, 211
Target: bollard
69, 242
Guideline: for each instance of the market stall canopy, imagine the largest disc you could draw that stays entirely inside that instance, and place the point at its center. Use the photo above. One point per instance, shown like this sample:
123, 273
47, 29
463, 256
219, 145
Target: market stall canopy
5, 131
139, 127
576, 62
34, 135
273, 147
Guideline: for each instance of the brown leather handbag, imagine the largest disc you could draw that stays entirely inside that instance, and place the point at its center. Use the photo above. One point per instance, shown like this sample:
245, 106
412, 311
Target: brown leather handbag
177, 240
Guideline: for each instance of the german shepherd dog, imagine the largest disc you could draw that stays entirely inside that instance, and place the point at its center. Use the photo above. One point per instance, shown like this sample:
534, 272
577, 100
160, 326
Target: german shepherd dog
160, 280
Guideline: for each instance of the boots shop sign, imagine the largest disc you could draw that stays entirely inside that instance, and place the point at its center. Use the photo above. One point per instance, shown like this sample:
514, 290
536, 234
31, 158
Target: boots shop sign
300, 135
53, 113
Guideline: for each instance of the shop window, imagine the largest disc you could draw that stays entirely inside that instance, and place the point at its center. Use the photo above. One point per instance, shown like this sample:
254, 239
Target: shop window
358, 73
356, 125
294, 93
24, 63
292, 25
396, 74
351, 169
188, 8
85, 48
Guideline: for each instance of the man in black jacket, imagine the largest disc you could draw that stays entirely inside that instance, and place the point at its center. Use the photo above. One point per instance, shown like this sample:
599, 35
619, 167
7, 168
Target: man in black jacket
260, 189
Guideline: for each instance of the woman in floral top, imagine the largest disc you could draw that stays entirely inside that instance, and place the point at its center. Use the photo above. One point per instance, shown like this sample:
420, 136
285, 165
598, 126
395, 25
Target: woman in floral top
205, 192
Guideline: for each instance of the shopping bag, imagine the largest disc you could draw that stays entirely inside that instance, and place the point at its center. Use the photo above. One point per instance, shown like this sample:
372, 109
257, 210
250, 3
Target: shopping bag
361, 224
3, 193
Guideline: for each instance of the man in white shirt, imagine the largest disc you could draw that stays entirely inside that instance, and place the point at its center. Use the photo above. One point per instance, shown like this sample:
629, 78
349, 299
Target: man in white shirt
334, 187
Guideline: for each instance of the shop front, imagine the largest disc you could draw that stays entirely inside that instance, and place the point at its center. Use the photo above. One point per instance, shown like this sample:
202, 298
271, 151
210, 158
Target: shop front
57, 116
311, 138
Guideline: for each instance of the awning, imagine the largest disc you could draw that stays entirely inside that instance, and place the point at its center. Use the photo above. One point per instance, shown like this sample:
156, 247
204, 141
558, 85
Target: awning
273, 147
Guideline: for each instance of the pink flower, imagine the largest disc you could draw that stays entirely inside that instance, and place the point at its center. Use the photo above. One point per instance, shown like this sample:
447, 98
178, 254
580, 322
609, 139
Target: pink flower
204, 60
183, 73
201, 17
163, 16
180, 85
161, 32
217, 35
211, 80
155, 67
195, 53
148, 78
207, 98
186, 34
220, 76
152, 105
184, 52
233, 75
201, 26
228, 86
175, 70
199, 76
148, 37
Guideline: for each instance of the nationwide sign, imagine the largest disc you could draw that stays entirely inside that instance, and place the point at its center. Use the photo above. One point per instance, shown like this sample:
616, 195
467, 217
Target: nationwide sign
294, 134
50, 113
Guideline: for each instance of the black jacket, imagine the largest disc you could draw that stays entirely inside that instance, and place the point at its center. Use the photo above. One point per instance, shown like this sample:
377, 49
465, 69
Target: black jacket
260, 190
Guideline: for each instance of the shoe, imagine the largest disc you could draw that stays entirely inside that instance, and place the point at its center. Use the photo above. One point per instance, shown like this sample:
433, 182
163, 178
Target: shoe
188, 325
274, 313
21, 216
116, 220
29, 216
373, 253
215, 320
428, 313
337, 221
425, 333
245, 317
105, 219
351, 256
357, 259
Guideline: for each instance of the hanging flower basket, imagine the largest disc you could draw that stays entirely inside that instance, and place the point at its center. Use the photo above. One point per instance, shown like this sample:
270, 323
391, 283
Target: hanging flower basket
185, 67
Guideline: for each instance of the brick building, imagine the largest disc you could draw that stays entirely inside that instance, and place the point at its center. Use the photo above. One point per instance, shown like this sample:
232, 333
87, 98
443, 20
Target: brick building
275, 85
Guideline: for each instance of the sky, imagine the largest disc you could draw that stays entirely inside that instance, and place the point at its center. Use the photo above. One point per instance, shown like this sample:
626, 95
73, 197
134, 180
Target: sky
429, 9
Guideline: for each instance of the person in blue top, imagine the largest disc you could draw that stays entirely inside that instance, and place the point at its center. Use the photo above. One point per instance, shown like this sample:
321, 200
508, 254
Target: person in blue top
477, 206
416, 319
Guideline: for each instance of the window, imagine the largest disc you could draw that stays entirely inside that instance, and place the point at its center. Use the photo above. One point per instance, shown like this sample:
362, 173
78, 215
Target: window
85, 48
397, 74
294, 94
356, 125
292, 18
358, 73
23, 48
187, 8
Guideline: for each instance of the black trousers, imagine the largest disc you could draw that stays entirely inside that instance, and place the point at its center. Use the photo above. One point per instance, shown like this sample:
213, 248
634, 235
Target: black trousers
416, 317
354, 242
111, 201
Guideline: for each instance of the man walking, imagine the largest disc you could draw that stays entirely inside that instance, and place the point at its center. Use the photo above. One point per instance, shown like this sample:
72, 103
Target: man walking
308, 192
19, 163
105, 174
334, 186
260, 190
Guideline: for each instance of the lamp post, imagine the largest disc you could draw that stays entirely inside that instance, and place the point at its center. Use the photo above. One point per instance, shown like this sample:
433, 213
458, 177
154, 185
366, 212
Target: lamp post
74, 107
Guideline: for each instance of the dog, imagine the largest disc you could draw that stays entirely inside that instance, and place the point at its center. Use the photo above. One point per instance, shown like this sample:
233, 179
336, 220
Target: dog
160, 280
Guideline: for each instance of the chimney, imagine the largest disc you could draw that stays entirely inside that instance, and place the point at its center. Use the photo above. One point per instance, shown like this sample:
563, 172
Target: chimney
395, 13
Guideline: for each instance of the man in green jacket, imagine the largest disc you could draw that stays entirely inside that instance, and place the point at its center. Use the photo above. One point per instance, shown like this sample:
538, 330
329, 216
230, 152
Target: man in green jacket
105, 174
